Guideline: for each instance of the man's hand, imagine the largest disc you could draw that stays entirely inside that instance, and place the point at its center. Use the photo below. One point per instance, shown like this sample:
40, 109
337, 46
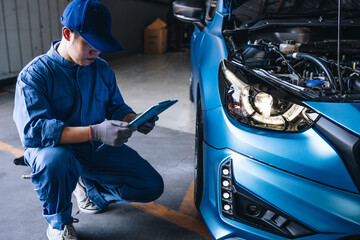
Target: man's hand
147, 126
111, 132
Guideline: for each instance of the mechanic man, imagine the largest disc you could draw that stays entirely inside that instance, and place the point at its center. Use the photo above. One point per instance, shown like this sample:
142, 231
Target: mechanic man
67, 104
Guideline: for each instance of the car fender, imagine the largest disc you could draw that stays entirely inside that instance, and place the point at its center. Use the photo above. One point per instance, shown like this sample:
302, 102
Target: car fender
208, 54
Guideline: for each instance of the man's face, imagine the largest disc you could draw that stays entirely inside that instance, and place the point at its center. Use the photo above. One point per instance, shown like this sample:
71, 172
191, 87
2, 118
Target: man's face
80, 51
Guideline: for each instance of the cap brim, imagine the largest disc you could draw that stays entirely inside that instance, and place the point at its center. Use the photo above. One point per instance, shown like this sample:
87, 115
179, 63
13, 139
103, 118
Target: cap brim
103, 43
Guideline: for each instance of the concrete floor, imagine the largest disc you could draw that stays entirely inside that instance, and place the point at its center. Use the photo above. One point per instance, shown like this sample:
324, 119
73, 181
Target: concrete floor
143, 80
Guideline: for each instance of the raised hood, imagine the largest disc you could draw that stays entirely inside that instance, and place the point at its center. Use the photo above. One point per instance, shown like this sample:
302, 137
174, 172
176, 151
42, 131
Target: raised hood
290, 7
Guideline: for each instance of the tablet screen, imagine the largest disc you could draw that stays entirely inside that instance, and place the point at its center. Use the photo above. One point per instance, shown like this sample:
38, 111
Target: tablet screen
151, 112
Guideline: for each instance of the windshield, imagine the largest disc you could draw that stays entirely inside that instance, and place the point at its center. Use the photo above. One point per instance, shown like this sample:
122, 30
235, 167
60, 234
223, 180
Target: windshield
251, 9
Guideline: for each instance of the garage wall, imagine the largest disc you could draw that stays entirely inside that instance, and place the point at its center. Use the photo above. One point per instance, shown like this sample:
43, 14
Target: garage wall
27, 28
129, 19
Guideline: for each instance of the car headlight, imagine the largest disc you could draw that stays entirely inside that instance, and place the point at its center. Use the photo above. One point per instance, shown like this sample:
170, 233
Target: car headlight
257, 104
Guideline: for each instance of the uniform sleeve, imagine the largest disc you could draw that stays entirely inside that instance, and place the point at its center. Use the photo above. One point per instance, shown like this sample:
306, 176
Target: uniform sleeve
116, 108
32, 113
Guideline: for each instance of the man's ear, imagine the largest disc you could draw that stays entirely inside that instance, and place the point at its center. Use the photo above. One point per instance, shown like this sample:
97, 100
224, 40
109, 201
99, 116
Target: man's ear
66, 33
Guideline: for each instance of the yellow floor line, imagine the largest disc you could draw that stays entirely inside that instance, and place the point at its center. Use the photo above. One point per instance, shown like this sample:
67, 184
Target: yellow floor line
175, 217
180, 218
187, 206
14, 151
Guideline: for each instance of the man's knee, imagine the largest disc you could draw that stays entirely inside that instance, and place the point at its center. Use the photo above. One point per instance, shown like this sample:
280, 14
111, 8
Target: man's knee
53, 161
155, 187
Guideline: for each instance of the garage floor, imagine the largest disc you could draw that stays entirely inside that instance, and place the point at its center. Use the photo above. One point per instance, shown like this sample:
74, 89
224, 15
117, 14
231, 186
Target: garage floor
144, 80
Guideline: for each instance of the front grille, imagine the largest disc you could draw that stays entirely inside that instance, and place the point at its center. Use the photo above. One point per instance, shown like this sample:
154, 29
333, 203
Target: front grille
357, 154
346, 144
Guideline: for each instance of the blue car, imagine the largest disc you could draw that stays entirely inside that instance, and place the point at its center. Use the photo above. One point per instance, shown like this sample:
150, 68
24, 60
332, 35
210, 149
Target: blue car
276, 87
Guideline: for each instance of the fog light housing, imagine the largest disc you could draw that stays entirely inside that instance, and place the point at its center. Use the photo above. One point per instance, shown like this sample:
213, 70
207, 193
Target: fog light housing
253, 209
240, 205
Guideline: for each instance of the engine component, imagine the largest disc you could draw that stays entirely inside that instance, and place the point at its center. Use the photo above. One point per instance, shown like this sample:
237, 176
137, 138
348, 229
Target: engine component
312, 83
317, 61
355, 83
289, 46
315, 71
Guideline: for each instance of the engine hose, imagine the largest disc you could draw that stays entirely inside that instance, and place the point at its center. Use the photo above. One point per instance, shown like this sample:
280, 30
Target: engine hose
305, 56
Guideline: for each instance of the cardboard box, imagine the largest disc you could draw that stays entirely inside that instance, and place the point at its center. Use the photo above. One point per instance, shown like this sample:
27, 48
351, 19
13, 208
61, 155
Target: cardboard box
155, 37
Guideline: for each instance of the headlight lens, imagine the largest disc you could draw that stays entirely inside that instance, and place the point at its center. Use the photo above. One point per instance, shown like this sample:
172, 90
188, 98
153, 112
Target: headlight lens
255, 105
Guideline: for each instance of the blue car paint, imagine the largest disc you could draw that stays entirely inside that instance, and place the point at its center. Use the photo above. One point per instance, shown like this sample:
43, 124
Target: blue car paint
309, 183
341, 113
310, 155
196, 40
205, 61
280, 188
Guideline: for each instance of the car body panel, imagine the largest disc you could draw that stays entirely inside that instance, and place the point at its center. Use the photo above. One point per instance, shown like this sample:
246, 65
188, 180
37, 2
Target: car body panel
204, 61
325, 211
341, 113
310, 155
331, 211
298, 173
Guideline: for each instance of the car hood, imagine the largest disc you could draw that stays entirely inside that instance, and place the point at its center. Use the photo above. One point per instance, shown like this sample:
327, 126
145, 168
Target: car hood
249, 12
299, 6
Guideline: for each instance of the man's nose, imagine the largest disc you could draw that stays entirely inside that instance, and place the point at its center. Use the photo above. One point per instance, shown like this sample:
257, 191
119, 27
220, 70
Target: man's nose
93, 51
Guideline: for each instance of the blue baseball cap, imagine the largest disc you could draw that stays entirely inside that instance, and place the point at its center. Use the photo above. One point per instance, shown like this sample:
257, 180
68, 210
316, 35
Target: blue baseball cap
92, 21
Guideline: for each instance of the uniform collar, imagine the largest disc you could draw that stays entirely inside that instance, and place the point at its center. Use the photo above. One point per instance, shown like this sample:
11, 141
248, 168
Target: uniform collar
53, 54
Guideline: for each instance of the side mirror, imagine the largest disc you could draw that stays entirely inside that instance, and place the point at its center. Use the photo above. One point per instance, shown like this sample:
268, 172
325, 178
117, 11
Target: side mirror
189, 11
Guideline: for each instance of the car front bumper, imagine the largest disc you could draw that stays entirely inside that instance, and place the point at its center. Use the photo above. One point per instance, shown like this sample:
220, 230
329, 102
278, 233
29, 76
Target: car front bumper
331, 213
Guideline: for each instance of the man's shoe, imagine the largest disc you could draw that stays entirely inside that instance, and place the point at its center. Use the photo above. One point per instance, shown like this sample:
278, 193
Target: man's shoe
84, 203
68, 233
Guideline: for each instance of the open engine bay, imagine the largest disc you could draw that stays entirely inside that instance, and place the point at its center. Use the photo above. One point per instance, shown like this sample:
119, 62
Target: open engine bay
278, 61
301, 53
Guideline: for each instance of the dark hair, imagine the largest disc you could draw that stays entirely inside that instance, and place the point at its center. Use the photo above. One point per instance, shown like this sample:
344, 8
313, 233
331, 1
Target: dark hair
76, 35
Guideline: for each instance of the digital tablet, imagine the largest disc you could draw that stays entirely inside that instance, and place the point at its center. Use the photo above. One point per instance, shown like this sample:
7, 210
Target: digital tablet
146, 116
151, 112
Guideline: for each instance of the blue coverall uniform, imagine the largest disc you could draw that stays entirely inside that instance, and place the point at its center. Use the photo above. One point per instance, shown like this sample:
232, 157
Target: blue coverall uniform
51, 93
